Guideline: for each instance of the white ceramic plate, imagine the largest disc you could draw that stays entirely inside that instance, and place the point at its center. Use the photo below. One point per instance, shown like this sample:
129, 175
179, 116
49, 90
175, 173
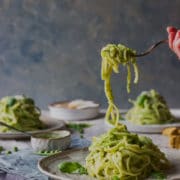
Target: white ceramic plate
48, 165
155, 128
148, 128
50, 122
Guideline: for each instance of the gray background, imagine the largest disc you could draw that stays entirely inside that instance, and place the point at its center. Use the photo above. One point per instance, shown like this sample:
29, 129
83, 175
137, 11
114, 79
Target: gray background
50, 49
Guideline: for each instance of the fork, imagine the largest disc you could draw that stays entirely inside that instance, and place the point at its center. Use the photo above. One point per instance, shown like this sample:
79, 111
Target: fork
24, 132
151, 48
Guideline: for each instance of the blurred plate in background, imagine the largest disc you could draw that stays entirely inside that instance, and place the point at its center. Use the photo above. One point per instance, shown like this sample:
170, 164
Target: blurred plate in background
50, 122
155, 128
74, 110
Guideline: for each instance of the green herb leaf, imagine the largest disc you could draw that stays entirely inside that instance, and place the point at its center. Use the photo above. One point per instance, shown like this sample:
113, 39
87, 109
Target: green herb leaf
78, 127
158, 176
11, 102
72, 168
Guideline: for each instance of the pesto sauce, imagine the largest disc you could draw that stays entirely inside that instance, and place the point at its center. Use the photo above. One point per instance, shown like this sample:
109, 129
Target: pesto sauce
48, 136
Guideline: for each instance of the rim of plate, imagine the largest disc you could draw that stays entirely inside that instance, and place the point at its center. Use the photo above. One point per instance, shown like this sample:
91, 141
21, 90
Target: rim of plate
41, 162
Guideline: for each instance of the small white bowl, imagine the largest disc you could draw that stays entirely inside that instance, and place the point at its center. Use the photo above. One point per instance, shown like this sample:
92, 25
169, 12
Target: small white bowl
54, 140
60, 110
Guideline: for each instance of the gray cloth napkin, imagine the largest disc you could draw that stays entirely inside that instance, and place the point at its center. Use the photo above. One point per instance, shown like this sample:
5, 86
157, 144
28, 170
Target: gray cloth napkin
22, 165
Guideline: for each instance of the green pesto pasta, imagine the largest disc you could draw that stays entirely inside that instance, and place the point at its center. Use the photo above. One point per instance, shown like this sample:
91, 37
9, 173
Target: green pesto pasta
112, 57
119, 154
19, 112
149, 108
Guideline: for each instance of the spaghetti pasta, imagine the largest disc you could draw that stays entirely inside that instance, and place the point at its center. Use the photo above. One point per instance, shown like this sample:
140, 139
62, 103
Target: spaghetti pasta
112, 57
19, 112
149, 108
119, 154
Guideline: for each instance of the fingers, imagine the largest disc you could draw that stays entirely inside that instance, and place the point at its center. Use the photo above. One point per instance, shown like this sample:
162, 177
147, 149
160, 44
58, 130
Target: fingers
177, 37
171, 38
176, 43
171, 29
174, 39
171, 35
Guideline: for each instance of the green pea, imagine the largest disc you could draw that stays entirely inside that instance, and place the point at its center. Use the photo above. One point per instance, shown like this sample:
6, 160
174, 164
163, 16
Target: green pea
15, 149
8, 152
1, 148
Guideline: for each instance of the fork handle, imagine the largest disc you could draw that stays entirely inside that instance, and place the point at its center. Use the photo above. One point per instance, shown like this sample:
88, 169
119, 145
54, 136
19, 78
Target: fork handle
151, 48
24, 132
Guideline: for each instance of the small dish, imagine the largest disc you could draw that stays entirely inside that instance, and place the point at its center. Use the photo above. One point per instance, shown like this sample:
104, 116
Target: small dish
54, 140
74, 110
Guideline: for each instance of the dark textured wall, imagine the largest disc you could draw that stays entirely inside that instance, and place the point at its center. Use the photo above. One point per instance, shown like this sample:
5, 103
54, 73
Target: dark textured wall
50, 49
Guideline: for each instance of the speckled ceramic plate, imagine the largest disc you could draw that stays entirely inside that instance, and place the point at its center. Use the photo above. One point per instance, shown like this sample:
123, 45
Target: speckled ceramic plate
48, 165
51, 125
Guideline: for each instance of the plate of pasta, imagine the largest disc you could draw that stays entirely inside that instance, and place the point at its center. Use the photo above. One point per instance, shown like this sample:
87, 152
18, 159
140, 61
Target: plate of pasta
150, 113
149, 128
114, 155
21, 113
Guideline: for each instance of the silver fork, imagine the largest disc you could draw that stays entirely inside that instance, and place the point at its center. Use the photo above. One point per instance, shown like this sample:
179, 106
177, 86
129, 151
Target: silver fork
151, 48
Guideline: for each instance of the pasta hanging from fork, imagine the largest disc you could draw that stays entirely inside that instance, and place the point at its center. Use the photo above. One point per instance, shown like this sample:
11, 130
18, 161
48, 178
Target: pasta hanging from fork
112, 57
